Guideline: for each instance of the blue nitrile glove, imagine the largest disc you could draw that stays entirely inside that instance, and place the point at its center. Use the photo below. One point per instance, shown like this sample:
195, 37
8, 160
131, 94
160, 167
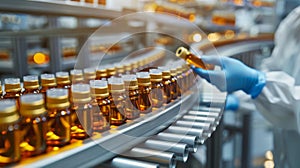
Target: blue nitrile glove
232, 102
234, 75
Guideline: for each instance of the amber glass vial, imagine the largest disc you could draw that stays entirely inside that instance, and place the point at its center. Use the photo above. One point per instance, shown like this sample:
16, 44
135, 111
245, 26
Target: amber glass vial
76, 76
13, 89
190, 58
157, 88
100, 105
9, 133
101, 73
81, 112
144, 83
132, 94
59, 119
174, 84
31, 84
33, 125
117, 97
48, 82
89, 74
166, 75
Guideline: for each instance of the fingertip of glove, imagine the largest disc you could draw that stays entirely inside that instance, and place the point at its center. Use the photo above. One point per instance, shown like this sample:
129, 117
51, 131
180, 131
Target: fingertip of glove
196, 70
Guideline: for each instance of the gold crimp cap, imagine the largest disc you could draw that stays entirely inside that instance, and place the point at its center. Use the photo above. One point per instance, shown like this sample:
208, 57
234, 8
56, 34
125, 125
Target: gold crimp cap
32, 105
155, 75
99, 88
116, 85
89, 73
8, 112
48, 80
12, 85
130, 82
143, 78
166, 74
31, 82
57, 99
182, 52
62, 78
111, 71
80, 93
173, 71
76, 75
101, 72
119, 68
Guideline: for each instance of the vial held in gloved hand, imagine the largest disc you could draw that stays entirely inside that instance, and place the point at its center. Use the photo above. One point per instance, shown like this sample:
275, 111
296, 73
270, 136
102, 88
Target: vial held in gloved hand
190, 58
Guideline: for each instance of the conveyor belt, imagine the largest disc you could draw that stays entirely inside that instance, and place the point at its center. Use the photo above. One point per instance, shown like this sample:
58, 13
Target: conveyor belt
180, 138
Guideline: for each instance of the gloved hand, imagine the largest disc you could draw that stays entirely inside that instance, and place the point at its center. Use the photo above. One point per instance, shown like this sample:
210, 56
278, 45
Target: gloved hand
232, 102
233, 76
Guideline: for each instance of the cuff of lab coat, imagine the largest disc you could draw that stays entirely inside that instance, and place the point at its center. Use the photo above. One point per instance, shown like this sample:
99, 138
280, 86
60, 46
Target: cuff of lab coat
256, 90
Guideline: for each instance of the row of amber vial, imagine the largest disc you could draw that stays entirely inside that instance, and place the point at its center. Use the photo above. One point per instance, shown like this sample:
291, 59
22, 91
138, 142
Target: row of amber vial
64, 108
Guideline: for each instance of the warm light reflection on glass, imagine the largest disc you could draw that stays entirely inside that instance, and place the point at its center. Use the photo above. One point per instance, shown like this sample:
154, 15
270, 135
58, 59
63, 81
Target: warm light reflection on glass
229, 34
269, 164
197, 37
269, 155
39, 58
214, 36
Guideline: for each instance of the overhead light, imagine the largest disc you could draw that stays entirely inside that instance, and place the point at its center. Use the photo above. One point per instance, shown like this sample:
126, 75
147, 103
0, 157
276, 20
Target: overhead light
214, 36
197, 37
39, 58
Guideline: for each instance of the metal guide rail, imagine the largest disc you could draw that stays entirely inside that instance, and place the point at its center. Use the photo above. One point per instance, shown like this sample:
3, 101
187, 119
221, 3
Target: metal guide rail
169, 122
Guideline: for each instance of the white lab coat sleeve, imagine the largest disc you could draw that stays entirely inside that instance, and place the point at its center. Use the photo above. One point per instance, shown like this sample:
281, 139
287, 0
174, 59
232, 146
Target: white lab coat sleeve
279, 101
